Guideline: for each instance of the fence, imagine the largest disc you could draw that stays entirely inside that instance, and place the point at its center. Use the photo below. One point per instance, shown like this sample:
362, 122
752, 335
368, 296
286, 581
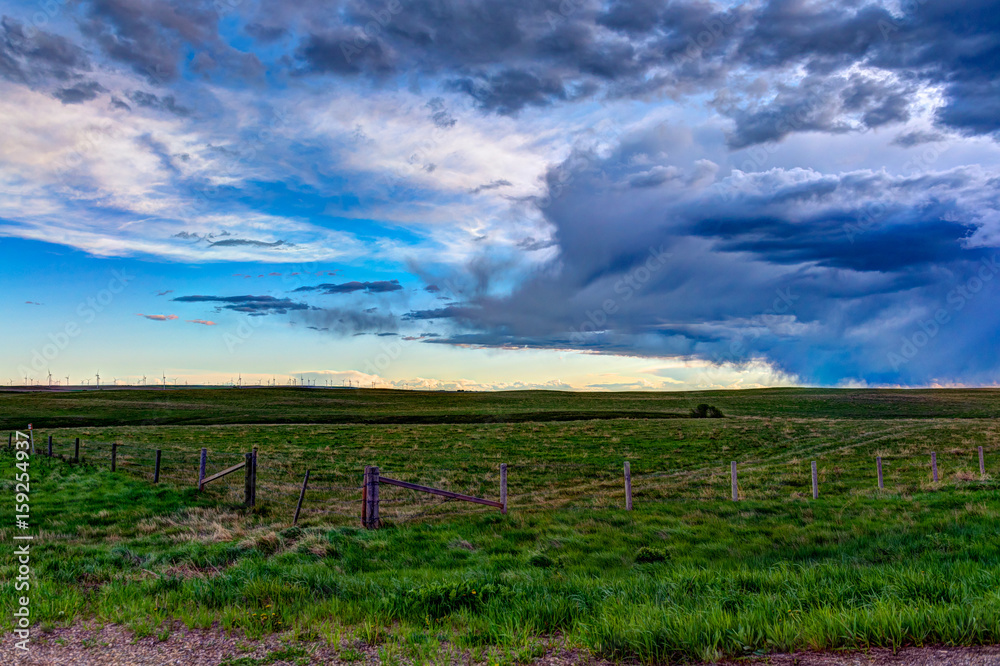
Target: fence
276, 486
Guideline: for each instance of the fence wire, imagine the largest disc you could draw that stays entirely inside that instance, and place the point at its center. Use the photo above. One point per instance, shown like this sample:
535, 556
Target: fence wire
334, 491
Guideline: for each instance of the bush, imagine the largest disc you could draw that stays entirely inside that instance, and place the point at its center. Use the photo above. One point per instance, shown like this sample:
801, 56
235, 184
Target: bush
706, 411
647, 555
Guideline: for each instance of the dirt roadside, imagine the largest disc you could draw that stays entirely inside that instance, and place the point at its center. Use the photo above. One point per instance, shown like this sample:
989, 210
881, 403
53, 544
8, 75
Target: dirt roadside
110, 645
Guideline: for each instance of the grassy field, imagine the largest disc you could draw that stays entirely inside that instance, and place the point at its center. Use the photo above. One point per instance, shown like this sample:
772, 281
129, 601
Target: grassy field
110, 407
687, 575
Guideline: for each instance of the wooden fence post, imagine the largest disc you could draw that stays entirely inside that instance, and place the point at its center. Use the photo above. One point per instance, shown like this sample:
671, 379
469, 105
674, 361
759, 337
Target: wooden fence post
50, 446
156, 473
503, 487
878, 464
371, 508
736, 494
247, 477
253, 480
934, 466
815, 481
364, 496
982, 463
628, 487
201, 469
76, 450
114, 455
10, 440
302, 494
31, 439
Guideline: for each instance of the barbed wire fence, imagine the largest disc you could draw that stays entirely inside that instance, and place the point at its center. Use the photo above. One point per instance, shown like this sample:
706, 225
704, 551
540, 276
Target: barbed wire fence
277, 486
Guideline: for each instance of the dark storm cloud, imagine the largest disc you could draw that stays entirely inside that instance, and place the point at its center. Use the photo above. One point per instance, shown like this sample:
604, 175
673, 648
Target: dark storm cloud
344, 321
510, 90
492, 185
827, 277
439, 114
81, 92
376, 287
956, 45
509, 56
147, 35
166, 103
831, 104
155, 38
252, 305
31, 56
917, 137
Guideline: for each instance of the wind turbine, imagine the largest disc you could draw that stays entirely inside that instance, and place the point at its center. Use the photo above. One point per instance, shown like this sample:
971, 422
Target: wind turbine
67, 380
98, 379
50, 379
164, 381
144, 380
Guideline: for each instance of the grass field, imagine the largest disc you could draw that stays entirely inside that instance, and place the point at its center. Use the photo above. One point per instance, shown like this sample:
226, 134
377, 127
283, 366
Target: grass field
687, 575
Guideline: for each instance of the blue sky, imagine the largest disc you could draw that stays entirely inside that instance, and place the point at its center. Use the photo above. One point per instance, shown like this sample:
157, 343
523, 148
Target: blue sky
484, 194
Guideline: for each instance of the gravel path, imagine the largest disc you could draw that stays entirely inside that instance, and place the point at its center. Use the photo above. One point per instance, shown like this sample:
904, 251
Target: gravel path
86, 645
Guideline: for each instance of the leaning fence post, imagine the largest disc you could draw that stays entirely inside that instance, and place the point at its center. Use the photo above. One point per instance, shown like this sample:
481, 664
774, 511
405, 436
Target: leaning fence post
736, 495
628, 487
201, 470
156, 472
253, 479
878, 464
50, 446
982, 463
503, 487
934, 466
114, 455
815, 481
302, 494
247, 477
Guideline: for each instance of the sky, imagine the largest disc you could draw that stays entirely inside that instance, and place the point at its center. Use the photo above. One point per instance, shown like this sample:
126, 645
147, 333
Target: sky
499, 194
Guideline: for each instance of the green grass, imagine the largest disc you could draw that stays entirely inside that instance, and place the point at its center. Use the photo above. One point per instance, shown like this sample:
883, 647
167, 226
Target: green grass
112, 407
688, 575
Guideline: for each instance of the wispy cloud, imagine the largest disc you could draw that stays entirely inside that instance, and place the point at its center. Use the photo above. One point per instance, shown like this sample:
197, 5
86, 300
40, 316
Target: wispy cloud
252, 305
157, 317
376, 287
